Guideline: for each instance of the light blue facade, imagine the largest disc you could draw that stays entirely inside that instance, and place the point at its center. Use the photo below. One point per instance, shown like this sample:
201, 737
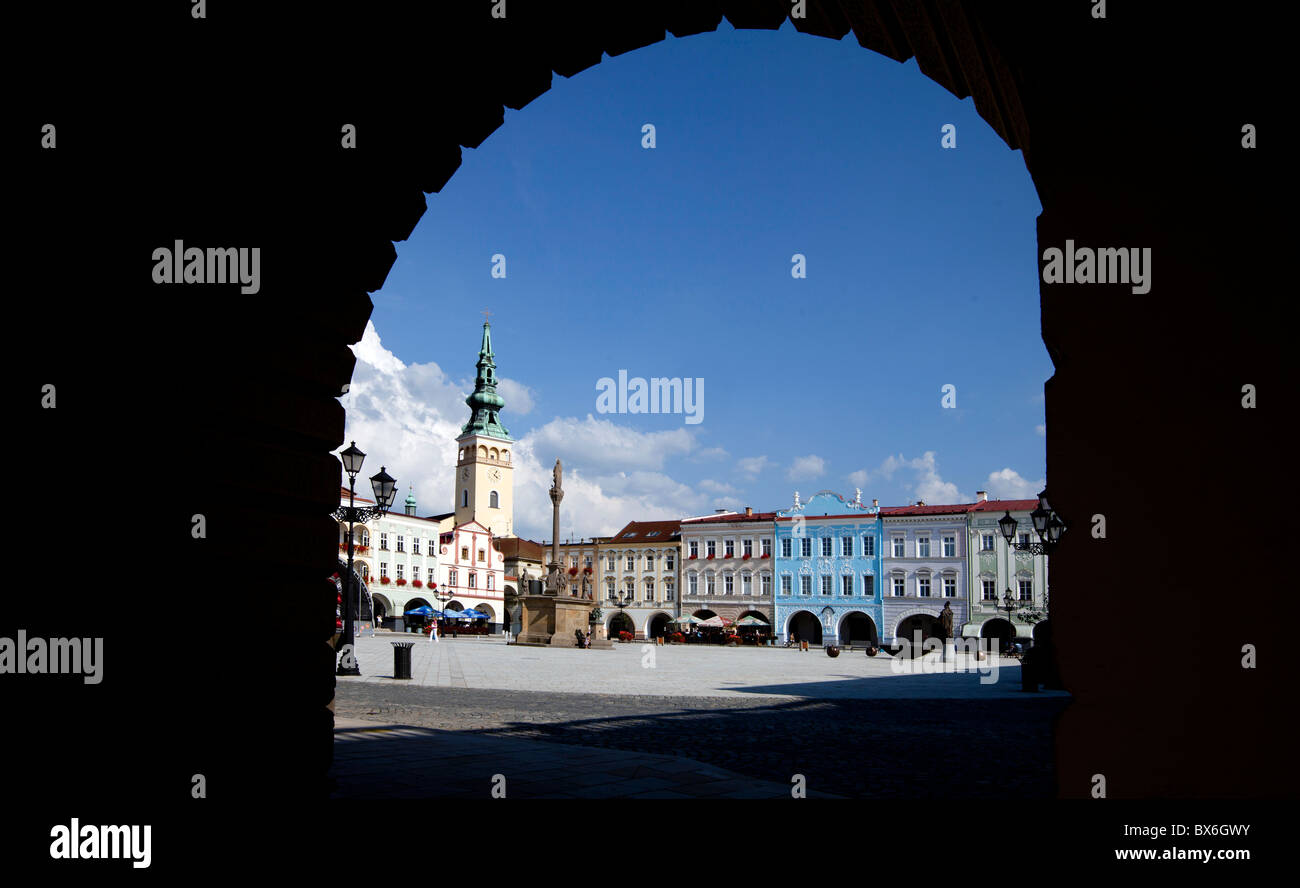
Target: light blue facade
828, 567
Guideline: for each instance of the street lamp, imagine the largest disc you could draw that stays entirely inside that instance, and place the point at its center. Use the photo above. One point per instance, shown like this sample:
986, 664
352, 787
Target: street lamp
1009, 604
443, 595
383, 486
1047, 524
625, 598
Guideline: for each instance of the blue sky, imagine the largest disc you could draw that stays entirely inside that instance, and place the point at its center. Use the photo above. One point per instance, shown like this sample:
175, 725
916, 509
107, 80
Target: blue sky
676, 262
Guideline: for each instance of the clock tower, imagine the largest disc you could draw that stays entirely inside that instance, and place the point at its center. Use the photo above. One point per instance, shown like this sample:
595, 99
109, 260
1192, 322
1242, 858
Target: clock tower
484, 487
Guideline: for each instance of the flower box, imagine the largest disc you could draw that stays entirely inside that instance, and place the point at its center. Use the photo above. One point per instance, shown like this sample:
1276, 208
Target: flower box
625, 636
744, 557
692, 557
401, 582
573, 571
416, 583
385, 580
765, 555
708, 557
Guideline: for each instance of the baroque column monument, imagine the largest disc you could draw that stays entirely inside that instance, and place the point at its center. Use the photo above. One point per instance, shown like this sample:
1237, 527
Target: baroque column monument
553, 617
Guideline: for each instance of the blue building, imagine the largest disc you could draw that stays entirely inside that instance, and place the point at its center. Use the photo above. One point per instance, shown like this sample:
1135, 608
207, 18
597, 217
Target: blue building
828, 568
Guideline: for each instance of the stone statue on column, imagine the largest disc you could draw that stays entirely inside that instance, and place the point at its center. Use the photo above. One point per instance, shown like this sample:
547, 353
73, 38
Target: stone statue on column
555, 575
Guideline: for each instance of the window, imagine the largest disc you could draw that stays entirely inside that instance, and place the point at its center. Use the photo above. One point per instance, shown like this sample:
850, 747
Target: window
694, 584
729, 549
923, 547
649, 588
805, 585
900, 587
828, 584
610, 562
827, 545
464, 553
986, 542
473, 580
990, 592
494, 501
869, 546
746, 584
787, 585
694, 548
490, 582
431, 579
805, 547
1024, 541
653, 533
949, 546
383, 568
649, 561
399, 570
728, 584
609, 588
923, 587
1026, 590
451, 577
899, 543
846, 583
630, 587
364, 569
868, 586
383, 541
766, 585
482, 555
767, 548
670, 560
401, 543
747, 548
711, 548
464, 499
631, 561
415, 545
710, 584
586, 561
668, 590
786, 546
573, 561
949, 587
846, 543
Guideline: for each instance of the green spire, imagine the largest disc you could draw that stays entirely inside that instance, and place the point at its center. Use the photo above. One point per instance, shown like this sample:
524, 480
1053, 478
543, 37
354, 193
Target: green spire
484, 403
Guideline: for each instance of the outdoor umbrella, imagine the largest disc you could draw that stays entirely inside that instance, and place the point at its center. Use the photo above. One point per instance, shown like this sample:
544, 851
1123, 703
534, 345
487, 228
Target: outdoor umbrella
452, 614
422, 611
474, 614
716, 622
687, 620
751, 621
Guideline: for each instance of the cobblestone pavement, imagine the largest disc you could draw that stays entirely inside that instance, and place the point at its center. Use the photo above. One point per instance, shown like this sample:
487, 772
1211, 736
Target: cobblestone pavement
994, 748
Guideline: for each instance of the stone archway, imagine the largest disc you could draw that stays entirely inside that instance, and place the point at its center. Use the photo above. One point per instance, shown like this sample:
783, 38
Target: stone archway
1000, 629
1106, 181
859, 629
621, 622
658, 625
805, 627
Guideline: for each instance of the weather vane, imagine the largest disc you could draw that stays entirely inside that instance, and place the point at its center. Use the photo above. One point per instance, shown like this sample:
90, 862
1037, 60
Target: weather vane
487, 315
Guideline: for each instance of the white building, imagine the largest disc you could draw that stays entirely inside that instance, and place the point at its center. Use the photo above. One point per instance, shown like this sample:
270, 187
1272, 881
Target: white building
727, 565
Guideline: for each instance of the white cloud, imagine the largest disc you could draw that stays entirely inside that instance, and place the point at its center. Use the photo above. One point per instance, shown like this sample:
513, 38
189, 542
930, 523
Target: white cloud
1007, 484
752, 465
603, 444
518, 397
806, 467
927, 484
858, 478
712, 453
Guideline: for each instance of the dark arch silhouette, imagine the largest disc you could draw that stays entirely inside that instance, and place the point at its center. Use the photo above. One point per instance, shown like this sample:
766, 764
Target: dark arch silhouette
1109, 176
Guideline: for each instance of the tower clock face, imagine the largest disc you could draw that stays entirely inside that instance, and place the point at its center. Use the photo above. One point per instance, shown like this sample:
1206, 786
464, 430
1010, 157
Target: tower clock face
464, 474
495, 474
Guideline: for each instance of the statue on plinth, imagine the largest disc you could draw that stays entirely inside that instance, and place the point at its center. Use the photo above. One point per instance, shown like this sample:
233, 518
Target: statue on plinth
555, 583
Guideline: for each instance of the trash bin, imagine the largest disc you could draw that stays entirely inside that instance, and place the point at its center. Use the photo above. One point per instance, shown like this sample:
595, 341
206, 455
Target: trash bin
402, 658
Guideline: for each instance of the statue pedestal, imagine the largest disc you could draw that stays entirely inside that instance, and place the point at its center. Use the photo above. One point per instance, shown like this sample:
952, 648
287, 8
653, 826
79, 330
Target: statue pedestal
550, 621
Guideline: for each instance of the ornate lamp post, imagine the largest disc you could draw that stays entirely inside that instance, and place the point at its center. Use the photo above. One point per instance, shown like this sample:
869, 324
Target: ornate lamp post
443, 596
1047, 524
624, 599
384, 488
1008, 605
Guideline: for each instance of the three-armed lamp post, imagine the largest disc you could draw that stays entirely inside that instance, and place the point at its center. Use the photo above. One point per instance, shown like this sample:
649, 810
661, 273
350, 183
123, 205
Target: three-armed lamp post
1047, 524
384, 488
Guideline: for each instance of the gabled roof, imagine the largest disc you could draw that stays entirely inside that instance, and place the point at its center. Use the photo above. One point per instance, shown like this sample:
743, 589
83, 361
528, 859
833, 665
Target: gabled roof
649, 531
951, 509
1006, 506
734, 517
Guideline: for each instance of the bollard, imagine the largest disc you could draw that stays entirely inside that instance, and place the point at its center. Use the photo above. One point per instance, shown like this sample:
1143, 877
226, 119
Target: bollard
402, 658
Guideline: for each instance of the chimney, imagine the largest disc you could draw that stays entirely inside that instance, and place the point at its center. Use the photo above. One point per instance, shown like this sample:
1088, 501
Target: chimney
982, 496
749, 510
920, 502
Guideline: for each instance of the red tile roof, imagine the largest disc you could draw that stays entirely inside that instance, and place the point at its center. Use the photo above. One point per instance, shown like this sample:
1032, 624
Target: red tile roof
640, 530
1006, 506
963, 508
